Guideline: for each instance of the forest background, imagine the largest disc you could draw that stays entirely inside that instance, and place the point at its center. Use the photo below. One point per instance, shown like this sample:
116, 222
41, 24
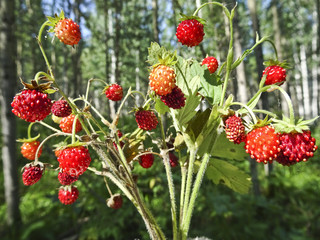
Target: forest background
283, 202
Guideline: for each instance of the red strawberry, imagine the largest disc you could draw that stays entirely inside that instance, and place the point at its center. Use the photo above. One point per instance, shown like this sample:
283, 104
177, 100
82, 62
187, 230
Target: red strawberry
296, 147
190, 32
61, 108
263, 144
121, 142
114, 92
31, 174
146, 160
212, 64
275, 74
115, 201
29, 149
31, 105
68, 31
67, 122
162, 79
174, 161
68, 195
175, 99
66, 179
235, 129
146, 120
74, 160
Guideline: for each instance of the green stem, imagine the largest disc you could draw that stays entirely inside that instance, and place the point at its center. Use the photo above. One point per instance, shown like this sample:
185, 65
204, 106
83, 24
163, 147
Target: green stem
253, 116
261, 90
215, 3
116, 119
29, 129
182, 191
74, 124
164, 153
289, 102
37, 76
265, 112
274, 48
103, 120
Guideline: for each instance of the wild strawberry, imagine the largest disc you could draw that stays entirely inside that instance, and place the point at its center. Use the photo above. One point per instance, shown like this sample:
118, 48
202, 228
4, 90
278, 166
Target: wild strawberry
212, 64
190, 32
296, 147
175, 99
162, 79
31, 105
115, 201
235, 129
68, 31
68, 195
174, 161
74, 160
119, 133
275, 74
146, 160
114, 92
29, 149
61, 108
263, 144
67, 122
146, 120
66, 179
31, 174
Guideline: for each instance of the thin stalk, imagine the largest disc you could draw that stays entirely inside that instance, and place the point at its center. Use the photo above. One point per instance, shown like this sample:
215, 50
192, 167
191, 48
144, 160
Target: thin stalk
183, 186
164, 153
116, 119
105, 121
252, 115
289, 102
29, 129
214, 3
107, 185
37, 76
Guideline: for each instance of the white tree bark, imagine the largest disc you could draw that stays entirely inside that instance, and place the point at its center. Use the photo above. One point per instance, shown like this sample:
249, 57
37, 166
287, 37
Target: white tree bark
305, 84
315, 68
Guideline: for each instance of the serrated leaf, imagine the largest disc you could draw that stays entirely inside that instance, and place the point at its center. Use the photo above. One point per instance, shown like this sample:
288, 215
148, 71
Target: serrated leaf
211, 87
224, 149
160, 106
222, 172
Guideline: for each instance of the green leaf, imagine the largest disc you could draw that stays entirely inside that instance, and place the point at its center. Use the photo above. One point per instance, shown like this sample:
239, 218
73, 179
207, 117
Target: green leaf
211, 87
160, 106
222, 172
224, 149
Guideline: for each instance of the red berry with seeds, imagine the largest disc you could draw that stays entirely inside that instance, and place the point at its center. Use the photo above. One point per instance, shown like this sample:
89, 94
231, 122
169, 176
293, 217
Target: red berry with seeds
146, 120
68, 195
263, 144
175, 99
66, 179
190, 32
74, 160
114, 92
174, 161
235, 130
29, 149
146, 160
31, 174
31, 105
212, 64
296, 147
61, 108
66, 124
275, 74
162, 80
68, 31
115, 201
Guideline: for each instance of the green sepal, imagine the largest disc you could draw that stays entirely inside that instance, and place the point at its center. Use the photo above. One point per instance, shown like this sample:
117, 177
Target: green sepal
161, 56
54, 20
272, 62
285, 126
28, 139
76, 144
187, 17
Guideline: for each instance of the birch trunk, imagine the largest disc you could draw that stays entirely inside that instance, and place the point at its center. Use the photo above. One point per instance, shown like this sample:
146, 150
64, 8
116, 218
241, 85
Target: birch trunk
315, 59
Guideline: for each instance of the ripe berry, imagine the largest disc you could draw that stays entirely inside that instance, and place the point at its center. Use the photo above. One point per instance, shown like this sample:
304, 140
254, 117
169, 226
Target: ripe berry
31, 174
275, 74
114, 92
175, 99
263, 144
31, 105
74, 160
162, 80
68, 31
115, 201
67, 122
296, 147
212, 64
119, 133
61, 108
66, 179
68, 195
190, 32
235, 129
146, 120
146, 160
29, 149
174, 161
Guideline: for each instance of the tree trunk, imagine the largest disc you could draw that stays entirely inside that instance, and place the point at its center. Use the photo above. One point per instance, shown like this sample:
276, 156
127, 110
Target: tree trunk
315, 60
8, 78
155, 20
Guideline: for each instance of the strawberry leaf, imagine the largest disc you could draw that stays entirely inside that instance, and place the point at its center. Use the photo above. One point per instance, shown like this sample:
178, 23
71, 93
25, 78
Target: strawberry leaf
160, 106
